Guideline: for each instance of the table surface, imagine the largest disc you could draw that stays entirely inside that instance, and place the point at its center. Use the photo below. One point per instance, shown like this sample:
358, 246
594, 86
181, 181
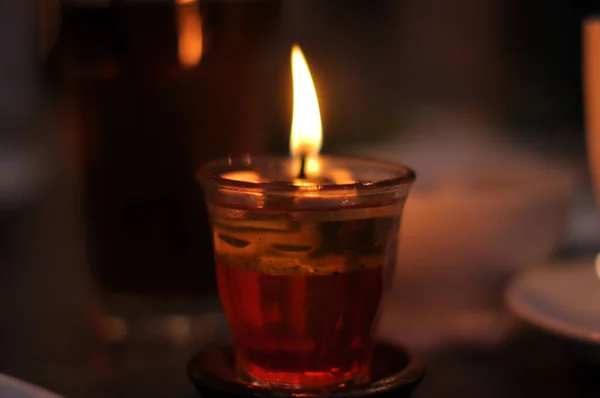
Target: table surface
530, 364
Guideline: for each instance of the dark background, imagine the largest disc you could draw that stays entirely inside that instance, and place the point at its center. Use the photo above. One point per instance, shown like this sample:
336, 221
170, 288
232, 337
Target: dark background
102, 129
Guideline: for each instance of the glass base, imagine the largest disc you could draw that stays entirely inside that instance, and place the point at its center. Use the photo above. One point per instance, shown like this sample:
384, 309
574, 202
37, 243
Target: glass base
253, 374
393, 373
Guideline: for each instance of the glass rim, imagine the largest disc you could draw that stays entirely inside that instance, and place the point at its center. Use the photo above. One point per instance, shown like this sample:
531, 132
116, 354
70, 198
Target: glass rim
405, 175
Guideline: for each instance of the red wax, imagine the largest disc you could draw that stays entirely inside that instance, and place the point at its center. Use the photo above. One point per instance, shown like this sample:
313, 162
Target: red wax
301, 330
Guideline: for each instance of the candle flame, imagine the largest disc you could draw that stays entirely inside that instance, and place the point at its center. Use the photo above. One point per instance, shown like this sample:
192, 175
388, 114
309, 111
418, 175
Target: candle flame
307, 133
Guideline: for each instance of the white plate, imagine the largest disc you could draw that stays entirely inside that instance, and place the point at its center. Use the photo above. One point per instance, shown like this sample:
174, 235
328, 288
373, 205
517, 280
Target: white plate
563, 299
11, 387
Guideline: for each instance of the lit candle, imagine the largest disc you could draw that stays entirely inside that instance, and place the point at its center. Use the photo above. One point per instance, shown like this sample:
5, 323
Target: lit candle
306, 137
286, 239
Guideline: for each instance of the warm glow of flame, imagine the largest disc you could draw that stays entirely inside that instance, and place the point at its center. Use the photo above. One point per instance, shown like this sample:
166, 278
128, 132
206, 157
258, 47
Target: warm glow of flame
189, 32
307, 133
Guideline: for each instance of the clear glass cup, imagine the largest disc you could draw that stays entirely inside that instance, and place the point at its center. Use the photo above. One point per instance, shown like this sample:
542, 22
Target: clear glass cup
302, 267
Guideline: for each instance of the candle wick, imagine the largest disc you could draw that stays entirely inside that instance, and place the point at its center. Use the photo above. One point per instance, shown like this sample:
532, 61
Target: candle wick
302, 173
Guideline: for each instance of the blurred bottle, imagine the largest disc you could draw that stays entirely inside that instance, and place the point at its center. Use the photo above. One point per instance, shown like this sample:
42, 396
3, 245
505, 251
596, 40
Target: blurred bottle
156, 88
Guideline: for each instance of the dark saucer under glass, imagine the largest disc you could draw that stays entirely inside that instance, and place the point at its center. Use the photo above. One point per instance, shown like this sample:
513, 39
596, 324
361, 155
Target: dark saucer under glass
395, 374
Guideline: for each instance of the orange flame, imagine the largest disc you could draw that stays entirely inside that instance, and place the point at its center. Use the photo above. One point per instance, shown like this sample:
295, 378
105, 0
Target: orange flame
307, 133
